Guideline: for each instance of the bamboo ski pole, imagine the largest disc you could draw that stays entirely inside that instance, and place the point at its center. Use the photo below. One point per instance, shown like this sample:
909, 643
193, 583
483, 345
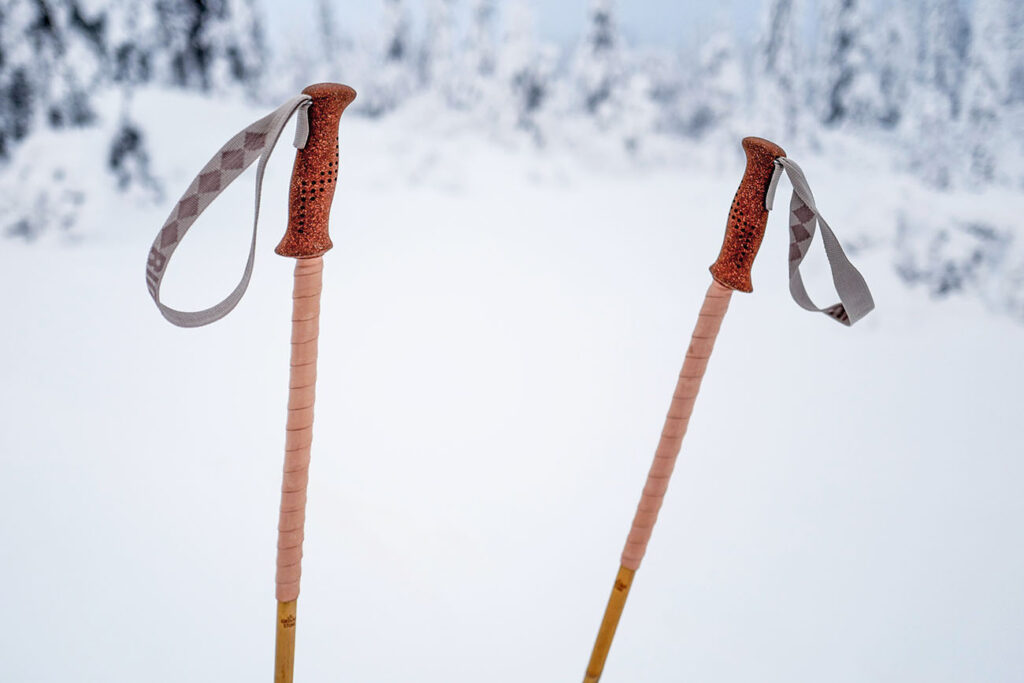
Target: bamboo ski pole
314, 178
744, 232
306, 239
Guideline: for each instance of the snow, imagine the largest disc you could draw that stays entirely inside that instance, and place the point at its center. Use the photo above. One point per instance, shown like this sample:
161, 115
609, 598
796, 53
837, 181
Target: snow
501, 331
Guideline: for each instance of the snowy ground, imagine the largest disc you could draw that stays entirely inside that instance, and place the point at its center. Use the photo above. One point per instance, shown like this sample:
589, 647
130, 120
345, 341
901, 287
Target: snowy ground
499, 343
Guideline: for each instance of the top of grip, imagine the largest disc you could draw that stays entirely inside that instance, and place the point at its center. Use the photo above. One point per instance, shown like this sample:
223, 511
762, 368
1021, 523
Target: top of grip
315, 174
747, 217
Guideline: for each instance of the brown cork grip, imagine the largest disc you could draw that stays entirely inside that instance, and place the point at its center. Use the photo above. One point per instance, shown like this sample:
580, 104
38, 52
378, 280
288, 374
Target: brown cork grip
747, 217
299, 434
315, 174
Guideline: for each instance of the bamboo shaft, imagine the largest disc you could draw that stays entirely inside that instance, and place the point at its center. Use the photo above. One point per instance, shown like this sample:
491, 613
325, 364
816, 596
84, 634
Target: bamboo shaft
284, 651
612, 613
709, 321
298, 440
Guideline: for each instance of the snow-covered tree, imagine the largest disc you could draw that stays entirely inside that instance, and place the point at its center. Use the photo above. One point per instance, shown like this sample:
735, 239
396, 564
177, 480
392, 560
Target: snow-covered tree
77, 71
946, 40
437, 49
719, 82
397, 42
637, 115
239, 45
526, 68
987, 84
128, 156
597, 66
19, 98
131, 32
851, 88
1015, 36
394, 61
481, 46
896, 61
52, 57
327, 28
779, 86
209, 44
473, 81
935, 98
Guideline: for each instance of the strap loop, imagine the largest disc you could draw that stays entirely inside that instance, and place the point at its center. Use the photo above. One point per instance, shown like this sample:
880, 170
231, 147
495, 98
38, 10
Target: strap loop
255, 142
855, 299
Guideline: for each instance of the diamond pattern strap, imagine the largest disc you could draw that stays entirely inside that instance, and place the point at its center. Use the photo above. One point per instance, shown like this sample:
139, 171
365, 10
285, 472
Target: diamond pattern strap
855, 299
255, 142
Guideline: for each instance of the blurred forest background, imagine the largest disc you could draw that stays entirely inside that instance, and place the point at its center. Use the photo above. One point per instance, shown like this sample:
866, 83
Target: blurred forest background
927, 89
522, 227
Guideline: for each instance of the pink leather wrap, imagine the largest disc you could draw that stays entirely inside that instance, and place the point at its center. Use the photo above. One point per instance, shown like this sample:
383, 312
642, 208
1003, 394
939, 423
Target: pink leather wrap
716, 302
299, 434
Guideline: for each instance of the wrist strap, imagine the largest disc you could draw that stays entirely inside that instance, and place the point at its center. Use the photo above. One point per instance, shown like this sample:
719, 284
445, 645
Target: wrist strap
255, 142
855, 299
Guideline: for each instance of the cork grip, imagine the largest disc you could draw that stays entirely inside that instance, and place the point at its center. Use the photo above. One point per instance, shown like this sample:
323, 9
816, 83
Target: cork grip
747, 217
716, 302
315, 174
299, 429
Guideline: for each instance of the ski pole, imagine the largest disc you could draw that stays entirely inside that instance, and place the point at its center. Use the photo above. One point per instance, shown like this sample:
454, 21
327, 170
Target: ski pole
306, 239
745, 227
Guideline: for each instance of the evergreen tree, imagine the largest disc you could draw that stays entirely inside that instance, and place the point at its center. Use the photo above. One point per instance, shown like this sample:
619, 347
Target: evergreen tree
394, 62
851, 89
987, 84
436, 54
397, 46
945, 51
51, 61
473, 81
128, 156
238, 46
79, 32
481, 48
936, 93
897, 59
1014, 12
19, 99
131, 30
719, 82
209, 44
779, 87
526, 68
327, 29
597, 69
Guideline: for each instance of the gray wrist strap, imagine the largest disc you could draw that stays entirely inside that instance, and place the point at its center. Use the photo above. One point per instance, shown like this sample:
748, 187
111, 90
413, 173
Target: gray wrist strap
256, 141
855, 300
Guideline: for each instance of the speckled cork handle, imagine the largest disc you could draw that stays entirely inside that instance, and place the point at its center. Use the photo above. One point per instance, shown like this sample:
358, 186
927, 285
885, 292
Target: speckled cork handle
747, 217
299, 429
716, 302
315, 174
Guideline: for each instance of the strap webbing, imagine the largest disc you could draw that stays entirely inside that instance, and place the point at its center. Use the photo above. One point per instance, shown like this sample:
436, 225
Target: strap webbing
255, 142
855, 299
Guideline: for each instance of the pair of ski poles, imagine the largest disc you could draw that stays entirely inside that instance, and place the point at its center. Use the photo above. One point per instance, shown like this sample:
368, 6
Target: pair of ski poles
306, 239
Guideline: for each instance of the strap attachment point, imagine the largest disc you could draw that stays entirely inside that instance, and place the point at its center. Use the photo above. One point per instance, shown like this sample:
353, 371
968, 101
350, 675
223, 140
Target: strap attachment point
302, 124
769, 196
